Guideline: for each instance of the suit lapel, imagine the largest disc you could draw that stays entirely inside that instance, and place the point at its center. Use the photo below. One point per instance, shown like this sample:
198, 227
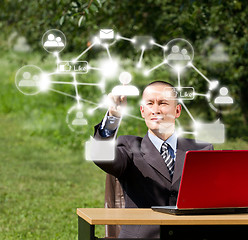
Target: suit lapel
153, 157
180, 156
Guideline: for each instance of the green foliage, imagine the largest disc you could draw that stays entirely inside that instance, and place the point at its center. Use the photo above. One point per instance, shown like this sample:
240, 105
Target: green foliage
206, 24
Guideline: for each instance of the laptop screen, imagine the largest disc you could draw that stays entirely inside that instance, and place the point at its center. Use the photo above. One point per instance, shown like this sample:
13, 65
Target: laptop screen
214, 179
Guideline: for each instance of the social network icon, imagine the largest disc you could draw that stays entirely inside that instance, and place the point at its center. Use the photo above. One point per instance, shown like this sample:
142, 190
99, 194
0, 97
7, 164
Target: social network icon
106, 34
142, 41
96, 150
210, 132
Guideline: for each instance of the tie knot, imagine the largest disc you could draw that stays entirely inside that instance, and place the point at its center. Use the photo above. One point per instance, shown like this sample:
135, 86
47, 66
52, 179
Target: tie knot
164, 146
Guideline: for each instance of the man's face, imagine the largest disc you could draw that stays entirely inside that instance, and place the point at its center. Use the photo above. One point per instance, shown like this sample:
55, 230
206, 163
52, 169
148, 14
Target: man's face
159, 109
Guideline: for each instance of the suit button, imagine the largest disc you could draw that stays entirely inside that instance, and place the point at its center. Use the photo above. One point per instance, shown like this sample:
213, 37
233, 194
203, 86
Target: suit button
173, 193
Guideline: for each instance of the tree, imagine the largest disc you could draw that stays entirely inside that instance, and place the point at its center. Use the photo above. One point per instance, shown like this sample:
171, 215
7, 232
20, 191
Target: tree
197, 21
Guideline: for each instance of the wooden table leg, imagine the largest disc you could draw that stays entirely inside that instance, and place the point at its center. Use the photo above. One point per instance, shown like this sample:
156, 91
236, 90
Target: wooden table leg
85, 230
200, 232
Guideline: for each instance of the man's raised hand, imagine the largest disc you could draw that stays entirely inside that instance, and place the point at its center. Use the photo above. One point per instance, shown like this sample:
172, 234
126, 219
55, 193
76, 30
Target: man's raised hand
117, 105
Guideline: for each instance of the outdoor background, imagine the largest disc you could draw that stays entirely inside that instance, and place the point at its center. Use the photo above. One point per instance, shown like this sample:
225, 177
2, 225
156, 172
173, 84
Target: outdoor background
43, 174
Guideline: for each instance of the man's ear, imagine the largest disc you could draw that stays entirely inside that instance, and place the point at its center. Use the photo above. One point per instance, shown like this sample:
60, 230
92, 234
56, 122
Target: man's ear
142, 110
178, 110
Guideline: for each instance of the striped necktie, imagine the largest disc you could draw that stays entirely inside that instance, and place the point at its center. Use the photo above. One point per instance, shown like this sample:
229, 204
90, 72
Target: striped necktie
169, 161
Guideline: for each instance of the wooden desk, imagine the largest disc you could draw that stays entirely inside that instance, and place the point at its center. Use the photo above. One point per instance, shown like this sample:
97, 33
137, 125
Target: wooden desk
230, 226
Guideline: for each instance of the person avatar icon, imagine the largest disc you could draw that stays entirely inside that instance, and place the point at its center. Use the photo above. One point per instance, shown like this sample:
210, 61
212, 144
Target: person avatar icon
125, 90
177, 55
223, 98
185, 54
59, 41
52, 42
27, 81
79, 120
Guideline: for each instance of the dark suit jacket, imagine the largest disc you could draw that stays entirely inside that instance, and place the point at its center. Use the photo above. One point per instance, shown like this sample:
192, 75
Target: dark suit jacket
145, 178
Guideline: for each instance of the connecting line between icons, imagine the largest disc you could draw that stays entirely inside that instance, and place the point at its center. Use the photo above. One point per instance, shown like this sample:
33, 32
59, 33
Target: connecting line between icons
187, 110
200, 94
191, 65
158, 45
141, 57
94, 68
63, 93
57, 57
157, 66
179, 80
78, 83
69, 95
55, 73
85, 51
94, 109
76, 89
107, 49
178, 122
192, 133
84, 100
124, 38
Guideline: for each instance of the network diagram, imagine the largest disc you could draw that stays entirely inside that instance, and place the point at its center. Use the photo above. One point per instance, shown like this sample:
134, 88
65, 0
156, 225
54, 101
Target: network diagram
178, 54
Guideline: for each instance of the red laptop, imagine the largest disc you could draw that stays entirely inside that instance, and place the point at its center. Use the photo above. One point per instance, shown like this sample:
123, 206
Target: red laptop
212, 182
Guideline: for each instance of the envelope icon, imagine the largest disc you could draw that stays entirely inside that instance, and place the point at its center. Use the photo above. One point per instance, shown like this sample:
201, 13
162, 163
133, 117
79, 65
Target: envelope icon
106, 34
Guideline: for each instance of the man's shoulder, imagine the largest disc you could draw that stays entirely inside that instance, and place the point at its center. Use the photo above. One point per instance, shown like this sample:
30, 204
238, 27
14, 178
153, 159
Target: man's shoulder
130, 139
130, 143
192, 144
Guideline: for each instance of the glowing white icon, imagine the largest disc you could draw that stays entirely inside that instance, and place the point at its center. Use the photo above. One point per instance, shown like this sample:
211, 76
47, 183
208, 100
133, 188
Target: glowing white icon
142, 42
75, 119
79, 120
223, 98
106, 34
53, 41
176, 54
219, 54
96, 150
27, 81
71, 66
109, 68
213, 84
210, 132
125, 90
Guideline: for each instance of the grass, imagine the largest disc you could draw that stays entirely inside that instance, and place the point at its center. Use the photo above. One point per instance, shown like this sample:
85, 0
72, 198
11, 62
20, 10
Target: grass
43, 175
42, 184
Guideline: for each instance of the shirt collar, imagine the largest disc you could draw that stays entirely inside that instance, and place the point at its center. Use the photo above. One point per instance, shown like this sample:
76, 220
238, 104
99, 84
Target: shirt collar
157, 142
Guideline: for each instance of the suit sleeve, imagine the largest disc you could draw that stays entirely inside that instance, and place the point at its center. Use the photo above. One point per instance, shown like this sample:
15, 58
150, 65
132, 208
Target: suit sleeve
211, 147
123, 155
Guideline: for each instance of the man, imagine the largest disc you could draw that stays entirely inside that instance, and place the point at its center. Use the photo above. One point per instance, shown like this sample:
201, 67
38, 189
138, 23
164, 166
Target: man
149, 168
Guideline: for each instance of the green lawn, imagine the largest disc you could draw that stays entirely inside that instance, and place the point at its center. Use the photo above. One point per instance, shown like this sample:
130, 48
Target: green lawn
42, 184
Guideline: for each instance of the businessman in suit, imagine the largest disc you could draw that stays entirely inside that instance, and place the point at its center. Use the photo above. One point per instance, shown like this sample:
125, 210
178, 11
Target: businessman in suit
149, 168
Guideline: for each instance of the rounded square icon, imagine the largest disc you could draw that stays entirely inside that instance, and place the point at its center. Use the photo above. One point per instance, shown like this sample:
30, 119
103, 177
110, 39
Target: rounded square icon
53, 41
141, 42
